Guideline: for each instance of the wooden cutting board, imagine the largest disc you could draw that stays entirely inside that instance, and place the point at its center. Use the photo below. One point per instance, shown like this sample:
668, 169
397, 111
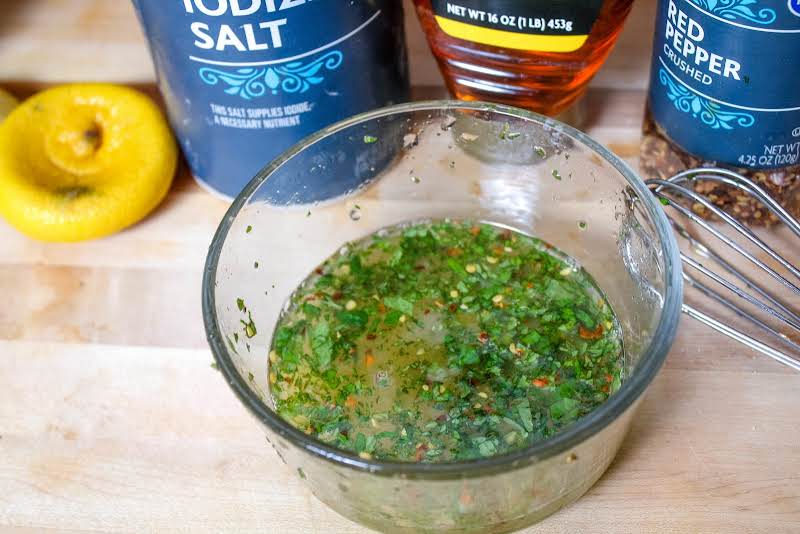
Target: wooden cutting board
112, 420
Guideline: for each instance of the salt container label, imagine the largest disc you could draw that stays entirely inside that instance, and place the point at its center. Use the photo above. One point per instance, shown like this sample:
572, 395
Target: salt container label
246, 79
725, 78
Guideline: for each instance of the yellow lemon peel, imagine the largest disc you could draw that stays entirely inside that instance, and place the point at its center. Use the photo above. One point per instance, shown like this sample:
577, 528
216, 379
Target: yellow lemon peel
83, 161
7, 103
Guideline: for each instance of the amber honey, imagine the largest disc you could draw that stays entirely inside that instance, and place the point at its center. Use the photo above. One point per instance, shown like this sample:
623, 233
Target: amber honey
530, 54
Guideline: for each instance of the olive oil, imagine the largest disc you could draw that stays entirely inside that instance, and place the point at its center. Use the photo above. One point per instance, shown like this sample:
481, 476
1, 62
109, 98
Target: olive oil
441, 341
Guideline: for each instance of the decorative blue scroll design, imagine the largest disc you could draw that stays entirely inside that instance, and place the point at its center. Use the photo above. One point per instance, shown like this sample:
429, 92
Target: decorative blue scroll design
710, 113
254, 82
738, 9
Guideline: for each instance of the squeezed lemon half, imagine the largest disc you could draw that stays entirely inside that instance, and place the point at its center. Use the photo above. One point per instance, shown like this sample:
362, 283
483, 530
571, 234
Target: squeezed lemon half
83, 161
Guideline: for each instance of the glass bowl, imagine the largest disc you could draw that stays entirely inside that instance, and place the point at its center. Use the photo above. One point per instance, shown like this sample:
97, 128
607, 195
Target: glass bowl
433, 160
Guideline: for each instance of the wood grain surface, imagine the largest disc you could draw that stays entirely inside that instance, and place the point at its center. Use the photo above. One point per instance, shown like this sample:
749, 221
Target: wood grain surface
112, 420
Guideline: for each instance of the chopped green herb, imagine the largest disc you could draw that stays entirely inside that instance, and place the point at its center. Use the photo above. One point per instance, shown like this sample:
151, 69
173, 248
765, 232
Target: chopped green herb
248, 229
582, 225
249, 326
539, 151
321, 343
486, 446
584, 318
506, 133
556, 174
505, 130
240, 304
525, 416
400, 304
565, 408
664, 201
369, 139
444, 341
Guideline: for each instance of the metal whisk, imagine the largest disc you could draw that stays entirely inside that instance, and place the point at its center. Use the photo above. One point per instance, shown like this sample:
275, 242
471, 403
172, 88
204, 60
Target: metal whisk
726, 284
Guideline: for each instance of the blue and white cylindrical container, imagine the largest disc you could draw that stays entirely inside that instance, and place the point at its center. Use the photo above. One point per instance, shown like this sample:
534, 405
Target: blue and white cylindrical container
245, 79
725, 80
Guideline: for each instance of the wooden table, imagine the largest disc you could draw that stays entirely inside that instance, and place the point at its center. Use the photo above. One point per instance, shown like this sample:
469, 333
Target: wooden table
112, 419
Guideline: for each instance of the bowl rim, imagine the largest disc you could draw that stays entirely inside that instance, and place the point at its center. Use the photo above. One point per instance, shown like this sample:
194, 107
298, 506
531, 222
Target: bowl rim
605, 414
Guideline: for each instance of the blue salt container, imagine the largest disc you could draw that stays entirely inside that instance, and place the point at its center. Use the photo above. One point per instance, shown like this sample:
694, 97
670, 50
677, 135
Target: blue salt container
243, 80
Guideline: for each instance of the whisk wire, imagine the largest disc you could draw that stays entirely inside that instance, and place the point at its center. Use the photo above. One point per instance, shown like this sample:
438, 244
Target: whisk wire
689, 214
742, 338
704, 251
673, 191
742, 183
718, 297
691, 262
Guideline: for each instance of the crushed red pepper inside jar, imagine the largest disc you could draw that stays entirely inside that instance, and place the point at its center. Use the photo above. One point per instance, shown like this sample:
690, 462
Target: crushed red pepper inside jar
660, 157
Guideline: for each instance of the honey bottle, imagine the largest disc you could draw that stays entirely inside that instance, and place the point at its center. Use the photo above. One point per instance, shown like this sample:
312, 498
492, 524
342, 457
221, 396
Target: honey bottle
534, 54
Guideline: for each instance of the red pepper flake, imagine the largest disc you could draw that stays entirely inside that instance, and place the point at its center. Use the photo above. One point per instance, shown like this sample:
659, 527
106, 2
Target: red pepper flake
442, 418
419, 267
369, 359
318, 270
350, 402
465, 499
609, 378
475, 230
488, 409
505, 235
604, 389
371, 336
528, 285
498, 250
422, 448
540, 382
483, 337
381, 307
337, 295
454, 252
585, 333
452, 307
427, 311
